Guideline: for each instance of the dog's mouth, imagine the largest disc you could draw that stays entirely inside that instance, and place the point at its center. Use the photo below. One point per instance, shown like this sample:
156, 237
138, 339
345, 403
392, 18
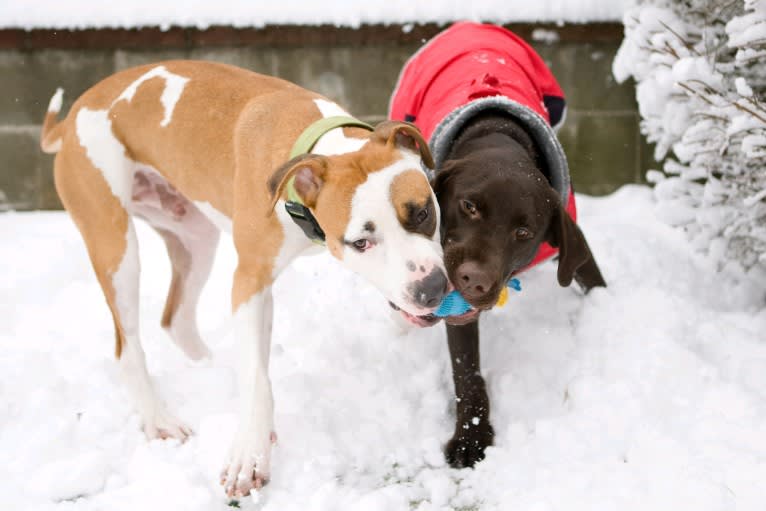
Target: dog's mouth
463, 319
420, 321
483, 301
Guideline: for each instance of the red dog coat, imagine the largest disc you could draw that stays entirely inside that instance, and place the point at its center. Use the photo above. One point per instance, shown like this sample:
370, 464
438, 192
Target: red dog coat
470, 68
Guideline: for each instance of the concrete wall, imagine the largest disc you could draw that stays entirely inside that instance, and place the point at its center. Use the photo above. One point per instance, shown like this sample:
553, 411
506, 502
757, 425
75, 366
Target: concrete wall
601, 133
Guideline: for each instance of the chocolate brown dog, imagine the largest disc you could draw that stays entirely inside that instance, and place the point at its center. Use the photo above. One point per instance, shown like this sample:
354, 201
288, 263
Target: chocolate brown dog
490, 107
497, 209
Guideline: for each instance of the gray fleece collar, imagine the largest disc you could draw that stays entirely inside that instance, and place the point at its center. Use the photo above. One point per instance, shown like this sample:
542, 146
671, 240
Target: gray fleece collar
542, 133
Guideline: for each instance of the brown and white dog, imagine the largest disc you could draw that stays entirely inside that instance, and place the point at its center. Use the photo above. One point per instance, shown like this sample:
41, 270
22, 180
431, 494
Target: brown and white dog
196, 147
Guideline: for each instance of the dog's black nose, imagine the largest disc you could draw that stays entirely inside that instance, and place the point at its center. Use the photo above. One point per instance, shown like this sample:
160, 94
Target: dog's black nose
472, 281
429, 292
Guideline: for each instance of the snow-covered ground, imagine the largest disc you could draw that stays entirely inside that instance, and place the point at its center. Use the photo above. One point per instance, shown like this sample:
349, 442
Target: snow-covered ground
648, 395
245, 13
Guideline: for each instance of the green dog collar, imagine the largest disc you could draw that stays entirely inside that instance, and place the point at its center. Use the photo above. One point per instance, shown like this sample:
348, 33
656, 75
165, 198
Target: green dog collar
306, 141
298, 211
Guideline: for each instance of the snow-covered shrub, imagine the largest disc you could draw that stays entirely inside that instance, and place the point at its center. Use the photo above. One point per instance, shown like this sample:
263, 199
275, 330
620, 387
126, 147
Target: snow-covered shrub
700, 69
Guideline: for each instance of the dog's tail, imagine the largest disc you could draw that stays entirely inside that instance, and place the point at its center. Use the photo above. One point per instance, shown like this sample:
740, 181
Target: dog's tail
52, 132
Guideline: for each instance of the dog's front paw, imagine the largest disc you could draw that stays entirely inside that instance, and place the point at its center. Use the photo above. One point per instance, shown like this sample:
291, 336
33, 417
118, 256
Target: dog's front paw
248, 467
466, 448
158, 422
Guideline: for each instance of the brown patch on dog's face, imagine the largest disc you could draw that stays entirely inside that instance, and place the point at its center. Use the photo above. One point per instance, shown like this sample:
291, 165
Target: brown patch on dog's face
333, 205
411, 197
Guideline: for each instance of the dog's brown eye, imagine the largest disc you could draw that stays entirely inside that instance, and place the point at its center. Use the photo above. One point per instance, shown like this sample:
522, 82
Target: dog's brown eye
469, 207
422, 216
522, 233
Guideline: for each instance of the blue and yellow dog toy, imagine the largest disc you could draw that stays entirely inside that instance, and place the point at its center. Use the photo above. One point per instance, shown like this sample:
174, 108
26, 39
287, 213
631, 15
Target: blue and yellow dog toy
455, 305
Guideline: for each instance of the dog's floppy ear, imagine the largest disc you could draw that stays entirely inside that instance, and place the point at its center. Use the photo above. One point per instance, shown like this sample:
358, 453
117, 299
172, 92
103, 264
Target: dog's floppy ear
442, 175
573, 249
309, 171
406, 135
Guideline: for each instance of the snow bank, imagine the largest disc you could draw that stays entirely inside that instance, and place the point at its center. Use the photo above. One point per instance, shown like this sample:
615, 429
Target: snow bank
246, 13
647, 395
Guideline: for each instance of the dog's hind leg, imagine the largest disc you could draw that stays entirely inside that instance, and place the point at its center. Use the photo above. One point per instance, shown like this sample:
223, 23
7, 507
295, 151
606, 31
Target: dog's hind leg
191, 240
95, 200
191, 255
